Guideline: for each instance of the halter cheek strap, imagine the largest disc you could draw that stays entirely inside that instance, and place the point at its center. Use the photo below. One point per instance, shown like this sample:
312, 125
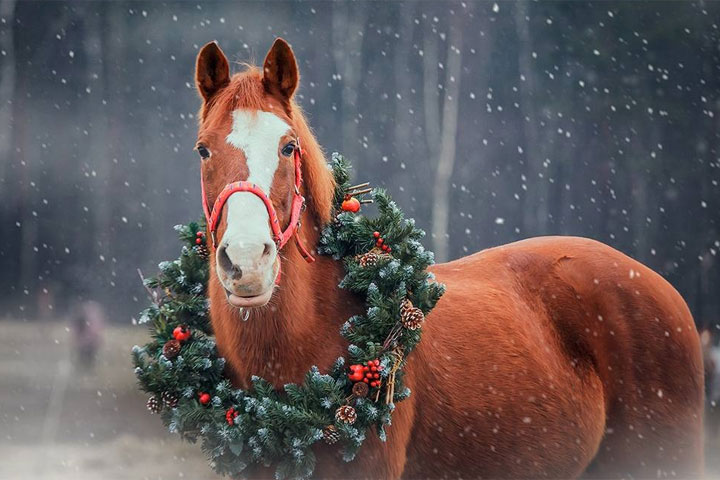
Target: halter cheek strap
280, 236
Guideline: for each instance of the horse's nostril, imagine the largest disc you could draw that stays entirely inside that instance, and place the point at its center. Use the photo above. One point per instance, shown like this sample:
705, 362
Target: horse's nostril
267, 249
227, 264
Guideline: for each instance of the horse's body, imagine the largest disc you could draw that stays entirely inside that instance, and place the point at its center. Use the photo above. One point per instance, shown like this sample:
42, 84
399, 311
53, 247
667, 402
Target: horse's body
550, 357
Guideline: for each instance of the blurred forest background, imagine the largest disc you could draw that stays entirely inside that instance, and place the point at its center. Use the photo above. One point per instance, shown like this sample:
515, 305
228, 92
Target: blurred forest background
489, 122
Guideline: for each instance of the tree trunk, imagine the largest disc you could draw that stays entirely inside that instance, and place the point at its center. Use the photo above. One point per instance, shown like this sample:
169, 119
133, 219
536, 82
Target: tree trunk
348, 31
403, 80
430, 92
535, 211
97, 152
446, 157
7, 85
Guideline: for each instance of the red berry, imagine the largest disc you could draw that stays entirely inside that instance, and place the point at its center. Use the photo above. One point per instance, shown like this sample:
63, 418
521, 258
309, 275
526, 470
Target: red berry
376, 234
365, 380
230, 415
366, 368
377, 363
376, 375
204, 398
181, 333
357, 373
380, 241
352, 204
389, 249
198, 241
373, 368
200, 234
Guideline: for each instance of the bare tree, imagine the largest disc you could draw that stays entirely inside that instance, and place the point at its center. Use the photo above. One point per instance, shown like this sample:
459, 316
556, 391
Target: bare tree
441, 131
348, 30
403, 79
535, 211
7, 82
97, 151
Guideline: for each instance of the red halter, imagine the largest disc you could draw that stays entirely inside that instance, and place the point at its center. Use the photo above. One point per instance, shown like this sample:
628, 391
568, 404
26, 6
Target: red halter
281, 237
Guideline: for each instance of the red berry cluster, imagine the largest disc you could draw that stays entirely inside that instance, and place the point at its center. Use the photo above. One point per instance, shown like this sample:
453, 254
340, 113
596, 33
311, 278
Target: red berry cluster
230, 416
204, 398
199, 238
368, 373
380, 243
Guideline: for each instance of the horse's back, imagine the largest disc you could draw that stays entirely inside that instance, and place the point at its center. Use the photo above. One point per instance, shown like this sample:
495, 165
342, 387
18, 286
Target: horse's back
566, 338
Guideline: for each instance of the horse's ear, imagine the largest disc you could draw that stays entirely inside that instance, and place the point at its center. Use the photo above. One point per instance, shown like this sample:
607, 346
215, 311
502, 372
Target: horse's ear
280, 70
212, 71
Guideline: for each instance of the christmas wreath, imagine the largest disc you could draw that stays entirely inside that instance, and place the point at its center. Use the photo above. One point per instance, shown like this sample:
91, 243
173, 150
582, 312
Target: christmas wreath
182, 371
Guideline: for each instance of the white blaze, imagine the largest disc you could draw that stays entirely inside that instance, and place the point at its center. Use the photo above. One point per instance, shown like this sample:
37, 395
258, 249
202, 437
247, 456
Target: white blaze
258, 135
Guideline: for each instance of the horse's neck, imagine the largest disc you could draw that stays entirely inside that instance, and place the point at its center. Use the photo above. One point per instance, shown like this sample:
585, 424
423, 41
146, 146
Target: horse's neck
300, 326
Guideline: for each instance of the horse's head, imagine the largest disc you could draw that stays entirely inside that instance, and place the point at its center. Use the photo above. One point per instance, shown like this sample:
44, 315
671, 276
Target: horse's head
248, 133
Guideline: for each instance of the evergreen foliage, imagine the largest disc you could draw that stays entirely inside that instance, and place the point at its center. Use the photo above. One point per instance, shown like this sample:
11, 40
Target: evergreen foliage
277, 427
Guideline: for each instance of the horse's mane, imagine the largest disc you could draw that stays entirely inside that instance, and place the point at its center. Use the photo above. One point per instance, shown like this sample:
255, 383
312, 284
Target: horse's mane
246, 91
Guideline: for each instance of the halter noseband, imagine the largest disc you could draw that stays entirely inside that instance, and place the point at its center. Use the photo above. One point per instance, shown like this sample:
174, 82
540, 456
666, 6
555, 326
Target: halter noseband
281, 237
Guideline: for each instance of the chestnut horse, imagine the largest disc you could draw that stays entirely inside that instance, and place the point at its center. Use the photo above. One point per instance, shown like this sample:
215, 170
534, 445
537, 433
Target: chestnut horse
549, 357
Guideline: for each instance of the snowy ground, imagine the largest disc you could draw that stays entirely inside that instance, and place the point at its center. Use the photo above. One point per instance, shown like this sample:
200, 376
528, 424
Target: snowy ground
59, 424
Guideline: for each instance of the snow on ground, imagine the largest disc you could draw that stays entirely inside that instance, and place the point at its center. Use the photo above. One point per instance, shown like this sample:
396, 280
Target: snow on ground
57, 422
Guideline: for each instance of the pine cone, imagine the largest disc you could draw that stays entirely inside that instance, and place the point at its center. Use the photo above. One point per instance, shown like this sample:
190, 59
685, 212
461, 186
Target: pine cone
171, 349
406, 306
170, 399
202, 251
360, 389
371, 258
346, 414
331, 434
411, 317
154, 405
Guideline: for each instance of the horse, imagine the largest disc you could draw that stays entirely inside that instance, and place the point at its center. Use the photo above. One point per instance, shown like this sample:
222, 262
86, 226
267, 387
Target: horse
554, 357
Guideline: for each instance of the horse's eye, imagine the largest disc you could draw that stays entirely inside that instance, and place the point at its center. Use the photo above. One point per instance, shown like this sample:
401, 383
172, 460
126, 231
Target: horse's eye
288, 149
203, 151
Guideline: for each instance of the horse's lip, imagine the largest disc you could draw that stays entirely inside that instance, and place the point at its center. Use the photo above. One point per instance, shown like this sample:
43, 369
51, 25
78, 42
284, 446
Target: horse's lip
246, 302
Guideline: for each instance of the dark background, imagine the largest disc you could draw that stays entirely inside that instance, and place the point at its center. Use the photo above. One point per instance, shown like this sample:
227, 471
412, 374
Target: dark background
595, 119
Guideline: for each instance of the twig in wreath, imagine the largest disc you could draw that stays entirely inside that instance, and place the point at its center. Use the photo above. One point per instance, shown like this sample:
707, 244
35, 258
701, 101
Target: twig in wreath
390, 390
151, 293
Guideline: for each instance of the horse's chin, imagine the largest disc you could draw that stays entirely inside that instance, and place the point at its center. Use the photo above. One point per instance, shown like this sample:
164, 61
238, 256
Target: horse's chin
249, 302
244, 301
